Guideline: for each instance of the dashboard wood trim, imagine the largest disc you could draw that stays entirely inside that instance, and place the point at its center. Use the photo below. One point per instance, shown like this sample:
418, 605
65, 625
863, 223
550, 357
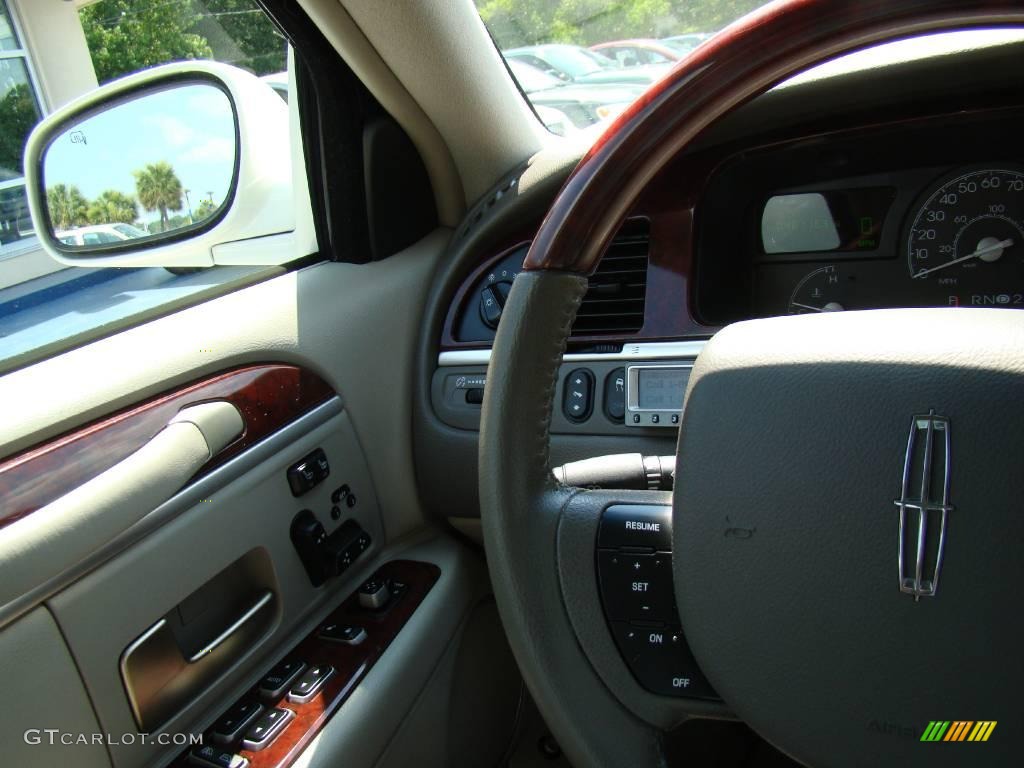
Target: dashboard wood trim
269, 396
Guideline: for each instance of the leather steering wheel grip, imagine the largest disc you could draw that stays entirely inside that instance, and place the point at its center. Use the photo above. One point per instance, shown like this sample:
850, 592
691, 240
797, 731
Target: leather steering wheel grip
520, 503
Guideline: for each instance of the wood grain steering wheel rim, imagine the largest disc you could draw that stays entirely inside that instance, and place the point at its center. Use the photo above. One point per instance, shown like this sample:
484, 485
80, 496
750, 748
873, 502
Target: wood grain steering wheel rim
521, 506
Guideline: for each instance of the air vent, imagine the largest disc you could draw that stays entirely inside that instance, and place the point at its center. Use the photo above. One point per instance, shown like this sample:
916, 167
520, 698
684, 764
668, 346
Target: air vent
614, 302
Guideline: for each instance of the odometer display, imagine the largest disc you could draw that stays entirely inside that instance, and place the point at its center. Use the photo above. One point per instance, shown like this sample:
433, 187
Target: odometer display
967, 238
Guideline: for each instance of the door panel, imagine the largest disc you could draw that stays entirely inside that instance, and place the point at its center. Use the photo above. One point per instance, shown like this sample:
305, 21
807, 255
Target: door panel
42, 690
355, 326
103, 613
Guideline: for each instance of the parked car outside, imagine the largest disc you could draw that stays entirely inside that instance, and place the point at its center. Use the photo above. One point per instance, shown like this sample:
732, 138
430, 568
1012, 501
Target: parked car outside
640, 52
584, 105
686, 43
575, 64
97, 234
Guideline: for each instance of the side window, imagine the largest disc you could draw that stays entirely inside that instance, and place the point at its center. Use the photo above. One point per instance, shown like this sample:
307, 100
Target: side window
19, 112
53, 52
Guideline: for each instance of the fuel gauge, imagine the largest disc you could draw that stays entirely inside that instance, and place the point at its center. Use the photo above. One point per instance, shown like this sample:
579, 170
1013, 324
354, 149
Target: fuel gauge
819, 291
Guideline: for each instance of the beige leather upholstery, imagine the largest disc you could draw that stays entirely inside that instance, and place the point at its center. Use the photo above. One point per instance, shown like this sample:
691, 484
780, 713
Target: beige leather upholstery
42, 691
39, 547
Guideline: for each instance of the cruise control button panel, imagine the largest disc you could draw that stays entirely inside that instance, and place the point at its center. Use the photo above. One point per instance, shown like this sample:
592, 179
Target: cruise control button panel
636, 526
634, 570
636, 587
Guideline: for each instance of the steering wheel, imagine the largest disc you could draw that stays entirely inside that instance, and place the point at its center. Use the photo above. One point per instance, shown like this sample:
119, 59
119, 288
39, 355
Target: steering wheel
823, 437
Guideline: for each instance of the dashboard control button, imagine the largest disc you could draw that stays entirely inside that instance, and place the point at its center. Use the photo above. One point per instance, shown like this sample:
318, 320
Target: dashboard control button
266, 728
210, 756
349, 634
492, 302
636, 418
374, 594
615, 395
675, 418
636, 525
474, 396
637, 587
309, 685
661, 661
280, 677
305, 474
578, 395
234, 721
655, 418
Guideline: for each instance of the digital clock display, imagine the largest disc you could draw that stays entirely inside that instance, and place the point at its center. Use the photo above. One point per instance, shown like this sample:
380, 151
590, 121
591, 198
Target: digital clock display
661, 389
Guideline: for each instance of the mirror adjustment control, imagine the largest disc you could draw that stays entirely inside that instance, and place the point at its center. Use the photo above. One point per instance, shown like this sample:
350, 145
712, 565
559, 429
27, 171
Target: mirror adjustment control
280, 677
309, 685
210, 756
578, 395
374, 594
349, 634
266, 728
234, 721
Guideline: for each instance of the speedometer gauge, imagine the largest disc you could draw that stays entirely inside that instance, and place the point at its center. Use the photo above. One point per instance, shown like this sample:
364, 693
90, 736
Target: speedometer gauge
967, 238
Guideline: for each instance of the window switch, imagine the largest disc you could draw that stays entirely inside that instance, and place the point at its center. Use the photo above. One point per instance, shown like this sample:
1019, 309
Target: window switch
349, 634
309, 685
374, 594
266, 728
234, 721
209, 756
280, 677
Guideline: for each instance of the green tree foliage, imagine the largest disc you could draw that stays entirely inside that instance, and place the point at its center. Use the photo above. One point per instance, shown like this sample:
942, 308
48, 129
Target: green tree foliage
159, 189
586, 22
125, 36
240, 33
204, 210
112, 207
18, 115
67, 206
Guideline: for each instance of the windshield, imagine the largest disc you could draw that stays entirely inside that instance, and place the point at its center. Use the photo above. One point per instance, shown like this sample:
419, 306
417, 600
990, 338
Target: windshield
550, 44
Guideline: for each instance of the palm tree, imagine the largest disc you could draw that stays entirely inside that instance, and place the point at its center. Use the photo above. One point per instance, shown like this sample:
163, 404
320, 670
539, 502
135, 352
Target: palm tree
159, 189
111, 207
68, 207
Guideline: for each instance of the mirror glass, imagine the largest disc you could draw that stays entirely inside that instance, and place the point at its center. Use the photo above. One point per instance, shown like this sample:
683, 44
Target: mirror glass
147, 168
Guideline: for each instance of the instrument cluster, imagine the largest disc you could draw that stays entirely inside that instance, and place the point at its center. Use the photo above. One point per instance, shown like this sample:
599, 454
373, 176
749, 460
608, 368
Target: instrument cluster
911, 231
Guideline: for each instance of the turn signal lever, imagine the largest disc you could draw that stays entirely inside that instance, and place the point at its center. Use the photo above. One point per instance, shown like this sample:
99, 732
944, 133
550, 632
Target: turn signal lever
626, 471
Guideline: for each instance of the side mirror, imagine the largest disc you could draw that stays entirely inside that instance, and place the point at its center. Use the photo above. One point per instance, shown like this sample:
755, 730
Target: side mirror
167, 167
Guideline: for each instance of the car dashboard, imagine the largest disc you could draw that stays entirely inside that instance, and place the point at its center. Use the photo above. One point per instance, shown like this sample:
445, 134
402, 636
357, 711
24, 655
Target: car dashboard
887, 181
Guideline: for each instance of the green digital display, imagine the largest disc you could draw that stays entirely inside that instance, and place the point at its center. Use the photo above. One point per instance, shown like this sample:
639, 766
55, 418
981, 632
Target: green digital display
833, 220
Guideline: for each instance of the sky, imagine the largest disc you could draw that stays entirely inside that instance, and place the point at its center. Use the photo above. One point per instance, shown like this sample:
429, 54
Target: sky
191, 126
